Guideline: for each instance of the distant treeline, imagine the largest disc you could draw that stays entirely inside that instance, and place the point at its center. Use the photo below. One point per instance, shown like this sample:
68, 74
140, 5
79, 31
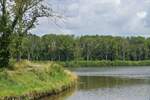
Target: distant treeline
68, 47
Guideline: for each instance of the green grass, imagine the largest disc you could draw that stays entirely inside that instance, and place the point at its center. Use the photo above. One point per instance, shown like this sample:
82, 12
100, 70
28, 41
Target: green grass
104, 63
27, 77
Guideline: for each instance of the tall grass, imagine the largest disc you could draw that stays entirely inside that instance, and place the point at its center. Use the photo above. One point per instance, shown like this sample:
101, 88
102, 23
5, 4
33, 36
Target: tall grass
27, 77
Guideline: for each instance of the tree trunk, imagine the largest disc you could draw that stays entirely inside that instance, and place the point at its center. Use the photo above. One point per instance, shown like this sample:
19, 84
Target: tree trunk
106, 57
87, 57
124, 55
59, 57
18, 58
28, 56
4, 50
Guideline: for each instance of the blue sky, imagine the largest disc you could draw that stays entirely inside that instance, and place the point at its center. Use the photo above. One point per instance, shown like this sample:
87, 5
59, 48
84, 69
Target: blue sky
102, 17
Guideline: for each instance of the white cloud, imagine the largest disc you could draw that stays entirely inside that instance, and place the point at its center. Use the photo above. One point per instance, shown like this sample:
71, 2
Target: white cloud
118, 2
111, 17
142, 14
73, 6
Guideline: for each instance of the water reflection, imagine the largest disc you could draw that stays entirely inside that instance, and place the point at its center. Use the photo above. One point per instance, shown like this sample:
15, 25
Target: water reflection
61, 96
109, 84
96, 82
111, 88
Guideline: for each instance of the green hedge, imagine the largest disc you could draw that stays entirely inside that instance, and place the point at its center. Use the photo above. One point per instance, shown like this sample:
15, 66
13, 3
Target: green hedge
104, 63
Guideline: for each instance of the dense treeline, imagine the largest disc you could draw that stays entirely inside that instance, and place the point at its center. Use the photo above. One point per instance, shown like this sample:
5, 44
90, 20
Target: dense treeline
68, 47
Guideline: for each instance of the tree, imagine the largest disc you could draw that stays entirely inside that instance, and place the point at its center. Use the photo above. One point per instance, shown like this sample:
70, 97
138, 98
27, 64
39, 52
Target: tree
67, 47
31, 47
18, 16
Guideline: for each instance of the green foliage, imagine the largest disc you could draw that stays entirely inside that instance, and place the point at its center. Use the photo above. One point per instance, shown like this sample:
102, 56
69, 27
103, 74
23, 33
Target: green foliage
66, 48
48, 47
17, 19
104, 63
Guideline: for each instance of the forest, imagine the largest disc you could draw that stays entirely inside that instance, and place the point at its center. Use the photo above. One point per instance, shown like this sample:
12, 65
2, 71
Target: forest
69, 47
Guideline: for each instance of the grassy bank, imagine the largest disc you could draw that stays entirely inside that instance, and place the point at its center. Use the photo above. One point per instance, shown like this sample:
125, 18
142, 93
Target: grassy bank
29, 80
104, 63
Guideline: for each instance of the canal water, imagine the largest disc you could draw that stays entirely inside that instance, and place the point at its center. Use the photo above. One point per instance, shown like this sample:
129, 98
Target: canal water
109, 83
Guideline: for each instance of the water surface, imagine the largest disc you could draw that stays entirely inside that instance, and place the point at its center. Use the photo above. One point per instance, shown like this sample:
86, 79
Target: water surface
125, 83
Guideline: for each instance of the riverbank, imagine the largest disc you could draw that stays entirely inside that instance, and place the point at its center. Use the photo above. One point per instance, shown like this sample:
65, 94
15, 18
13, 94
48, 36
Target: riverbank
28, 80
104, 63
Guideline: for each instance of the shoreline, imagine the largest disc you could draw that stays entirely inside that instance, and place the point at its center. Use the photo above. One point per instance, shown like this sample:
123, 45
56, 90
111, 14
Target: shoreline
39, 95
32, 81
104, 63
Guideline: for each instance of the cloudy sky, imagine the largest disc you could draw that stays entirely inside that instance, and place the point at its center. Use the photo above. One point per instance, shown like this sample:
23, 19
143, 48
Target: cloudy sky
103, 17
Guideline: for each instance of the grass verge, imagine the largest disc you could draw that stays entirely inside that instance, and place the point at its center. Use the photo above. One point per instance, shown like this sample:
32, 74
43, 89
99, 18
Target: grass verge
28, 80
